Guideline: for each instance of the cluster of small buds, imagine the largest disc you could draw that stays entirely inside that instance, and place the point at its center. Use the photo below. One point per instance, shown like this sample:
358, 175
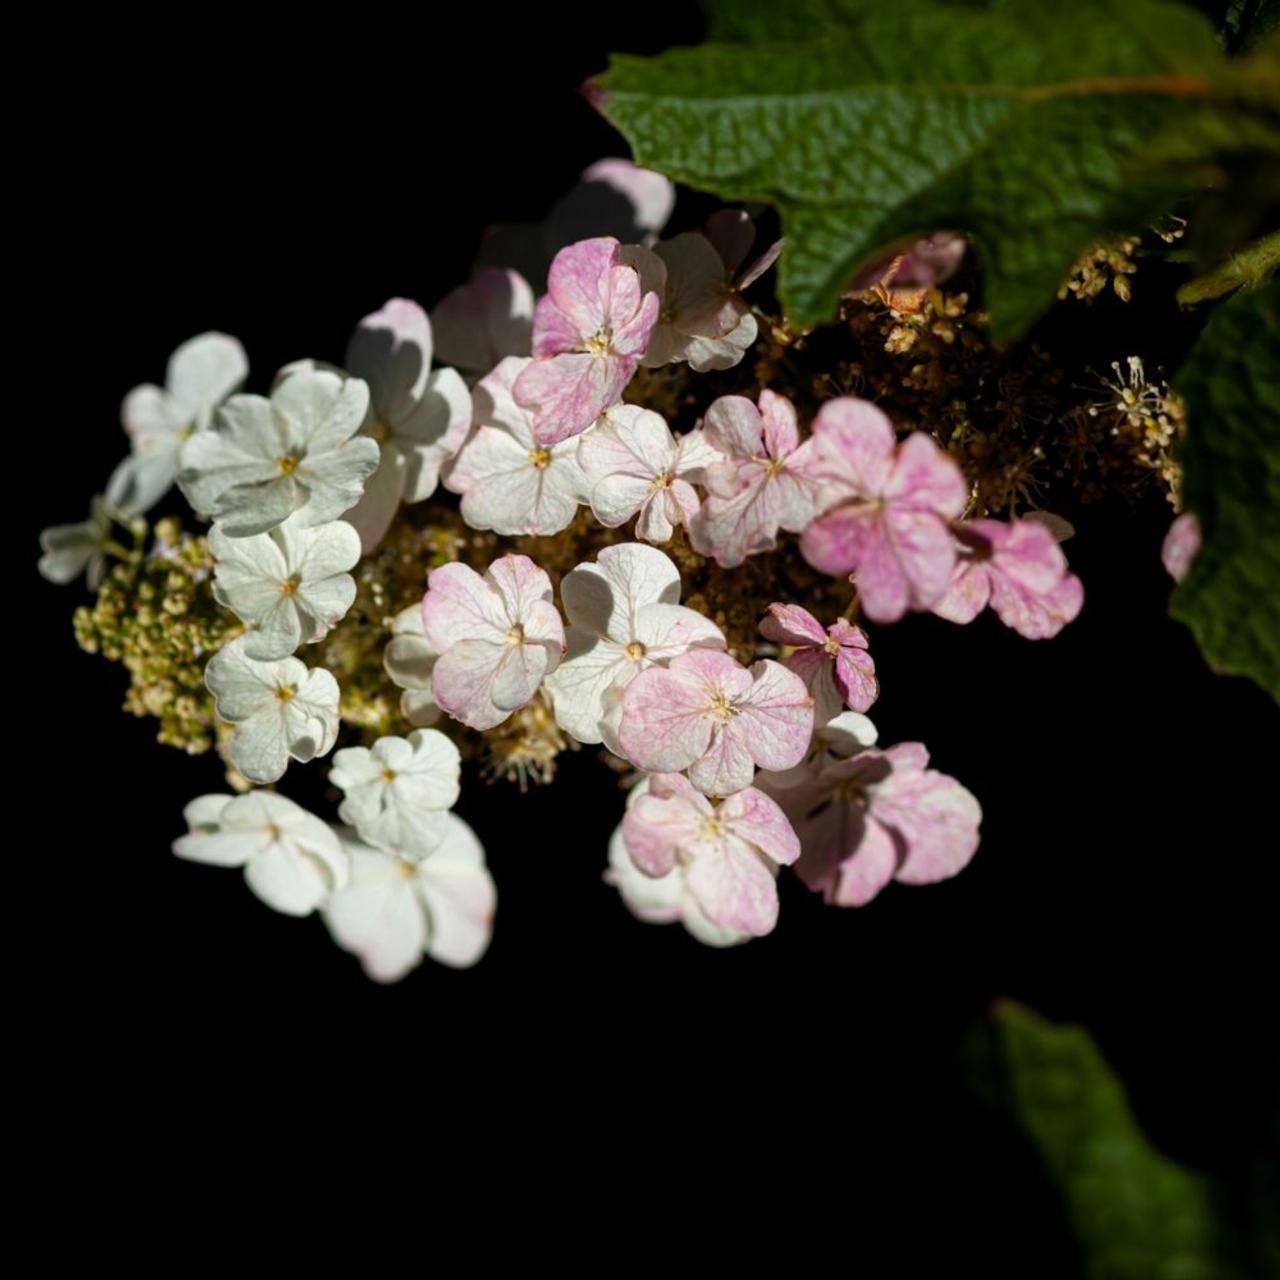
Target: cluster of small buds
1109, 263
629, 561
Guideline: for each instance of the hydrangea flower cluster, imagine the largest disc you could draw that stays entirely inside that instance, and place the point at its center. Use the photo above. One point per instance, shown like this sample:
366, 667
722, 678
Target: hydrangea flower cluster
542, 544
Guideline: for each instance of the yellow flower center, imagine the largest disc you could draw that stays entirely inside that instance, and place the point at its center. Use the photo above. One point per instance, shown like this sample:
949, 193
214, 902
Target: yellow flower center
285, 693
288, 464
515, 635
289, 586
388, 775
831, 645
600, 345
721, 709
378, 431
540, 458
634, 651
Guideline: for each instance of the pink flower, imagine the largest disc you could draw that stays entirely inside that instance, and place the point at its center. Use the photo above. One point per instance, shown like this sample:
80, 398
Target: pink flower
928, 261
1181, 545
766, 482
834, 664
589, 333
497, 637
707, 713
484, 320
633, 464
895, 505
878, 816
1019, 569
727, 850
508, 482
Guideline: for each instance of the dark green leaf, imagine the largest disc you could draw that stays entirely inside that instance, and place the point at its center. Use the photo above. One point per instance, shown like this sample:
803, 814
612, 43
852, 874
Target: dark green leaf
1231, 598
1024, 125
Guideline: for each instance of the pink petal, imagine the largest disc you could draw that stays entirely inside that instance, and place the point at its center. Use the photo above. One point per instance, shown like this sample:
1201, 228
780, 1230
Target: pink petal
733, 528
568, 392
580, 281
855, 446
781, 430
934, 816
835, 542
554, 333
777, 715
1181, 545
726, 765
461, 681
484, 320
868, 868
927, 479
1023, 550
517, 676
658, 822
790, 624
759, 820
735, 888
855, 677
391, 351
521, 585
734, 426
460, 605
633, 325
664, 727
1037, 617
967, 595
909, 569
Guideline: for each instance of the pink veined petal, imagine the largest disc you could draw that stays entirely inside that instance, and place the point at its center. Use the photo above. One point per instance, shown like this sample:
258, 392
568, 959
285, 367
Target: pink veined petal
669, 630
733, 425
790, 624
521, 584
655, 523
726, 766
632, 338
717, 670
735, 889
580, 283
554, 333
1025, 551
967, 595
835, 543
658, 822
494, 403
569, 392
904, 757
681, 502
762, 264
777, 716
778, 419
882, 582
927, 479
1036, 616
855, 673
733, 528
796, 495
664, 727
461, 681
868, 868
925, 554
759, 820
629, 306
461, 605
935, 818
854, 447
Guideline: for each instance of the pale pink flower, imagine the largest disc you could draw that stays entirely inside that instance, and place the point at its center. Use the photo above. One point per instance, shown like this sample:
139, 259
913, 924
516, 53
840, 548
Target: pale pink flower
1019, 570
483, 321
702, 319
766, 482
892, 508
877, 816
834, 664
589, 333
510, 483
707, 713
624, 616
632, 464
497, 636
727, 850
1181, 545
925, 262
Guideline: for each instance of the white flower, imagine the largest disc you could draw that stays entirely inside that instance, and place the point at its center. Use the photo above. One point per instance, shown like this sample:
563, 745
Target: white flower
662, 899
418, 418
280, 710
632, 463
291, 859
623, 617
261, 460
399, 791
73, 549
395, 909
510, 483
201, 374
704, 319
409, 660
289, 585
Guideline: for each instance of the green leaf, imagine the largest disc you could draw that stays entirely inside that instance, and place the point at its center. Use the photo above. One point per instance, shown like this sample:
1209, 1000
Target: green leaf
1135, 1213
1231, 460
1024, 125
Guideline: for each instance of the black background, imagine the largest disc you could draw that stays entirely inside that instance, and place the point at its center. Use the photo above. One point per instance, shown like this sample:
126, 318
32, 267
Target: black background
280, 184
